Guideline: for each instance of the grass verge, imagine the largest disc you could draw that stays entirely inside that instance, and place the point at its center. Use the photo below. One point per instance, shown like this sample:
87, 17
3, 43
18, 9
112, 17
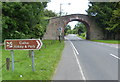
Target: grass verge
46, 60
108, 41
82, 37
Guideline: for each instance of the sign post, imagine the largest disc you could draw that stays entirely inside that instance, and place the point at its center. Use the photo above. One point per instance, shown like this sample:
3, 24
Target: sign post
23, 44
33, 65
60, 33
12, 54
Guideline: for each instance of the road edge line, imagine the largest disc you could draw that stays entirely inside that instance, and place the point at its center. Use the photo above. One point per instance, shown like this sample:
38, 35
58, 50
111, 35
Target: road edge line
74, 48
80, 68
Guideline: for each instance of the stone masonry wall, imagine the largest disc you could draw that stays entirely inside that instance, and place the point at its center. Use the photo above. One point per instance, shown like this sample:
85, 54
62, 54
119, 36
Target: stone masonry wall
52, 33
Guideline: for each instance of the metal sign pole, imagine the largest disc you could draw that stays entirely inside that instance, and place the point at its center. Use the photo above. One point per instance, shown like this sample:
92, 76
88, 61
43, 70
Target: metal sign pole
33, 66
12, 53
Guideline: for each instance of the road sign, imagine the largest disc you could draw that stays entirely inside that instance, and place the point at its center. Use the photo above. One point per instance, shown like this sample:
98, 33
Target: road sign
60, 29
23, 44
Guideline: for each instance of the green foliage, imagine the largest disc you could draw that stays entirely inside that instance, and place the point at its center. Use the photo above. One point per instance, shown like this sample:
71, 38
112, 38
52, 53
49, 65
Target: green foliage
38, 31
82, 35
49, 13
80, 28
67, 29
115, 20
102, 12
23, 20
107, 16
0, 22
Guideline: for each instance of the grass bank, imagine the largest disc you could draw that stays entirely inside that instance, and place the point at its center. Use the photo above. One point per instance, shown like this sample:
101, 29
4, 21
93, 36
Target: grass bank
82, 35
108, 41
46, 60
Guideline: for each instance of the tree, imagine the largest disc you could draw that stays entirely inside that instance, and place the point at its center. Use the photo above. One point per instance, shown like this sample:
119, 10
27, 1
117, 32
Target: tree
79, 28
0, 22
21, 19
104, 14
67, 29
49, 13
115, 20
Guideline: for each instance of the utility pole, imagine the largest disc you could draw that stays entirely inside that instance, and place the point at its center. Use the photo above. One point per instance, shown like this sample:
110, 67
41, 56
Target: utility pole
61, 7
61, 28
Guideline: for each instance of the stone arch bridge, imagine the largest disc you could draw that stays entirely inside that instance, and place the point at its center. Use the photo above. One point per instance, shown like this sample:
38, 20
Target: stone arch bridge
93, 31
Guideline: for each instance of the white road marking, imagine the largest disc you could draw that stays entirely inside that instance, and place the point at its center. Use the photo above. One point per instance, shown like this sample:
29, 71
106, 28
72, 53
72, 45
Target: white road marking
80, 68
115, 56
74, 48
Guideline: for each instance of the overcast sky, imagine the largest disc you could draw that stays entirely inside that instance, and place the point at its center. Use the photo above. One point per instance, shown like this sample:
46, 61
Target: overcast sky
75, 7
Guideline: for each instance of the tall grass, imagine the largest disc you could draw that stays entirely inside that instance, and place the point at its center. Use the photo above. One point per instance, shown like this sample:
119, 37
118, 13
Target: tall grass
46, 60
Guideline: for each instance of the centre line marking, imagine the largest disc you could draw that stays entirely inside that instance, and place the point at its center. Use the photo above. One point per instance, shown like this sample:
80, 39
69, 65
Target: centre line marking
115, 56
80, 68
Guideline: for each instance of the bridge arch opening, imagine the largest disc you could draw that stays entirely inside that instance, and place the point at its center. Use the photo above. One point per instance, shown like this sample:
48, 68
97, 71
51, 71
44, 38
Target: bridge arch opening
87, 26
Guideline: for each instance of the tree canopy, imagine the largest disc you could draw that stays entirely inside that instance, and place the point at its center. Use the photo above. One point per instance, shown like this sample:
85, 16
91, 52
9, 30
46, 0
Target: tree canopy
24, 19
107, 16
49, 13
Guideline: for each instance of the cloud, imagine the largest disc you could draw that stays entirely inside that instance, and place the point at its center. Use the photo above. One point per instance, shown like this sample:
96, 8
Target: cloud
76, 7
